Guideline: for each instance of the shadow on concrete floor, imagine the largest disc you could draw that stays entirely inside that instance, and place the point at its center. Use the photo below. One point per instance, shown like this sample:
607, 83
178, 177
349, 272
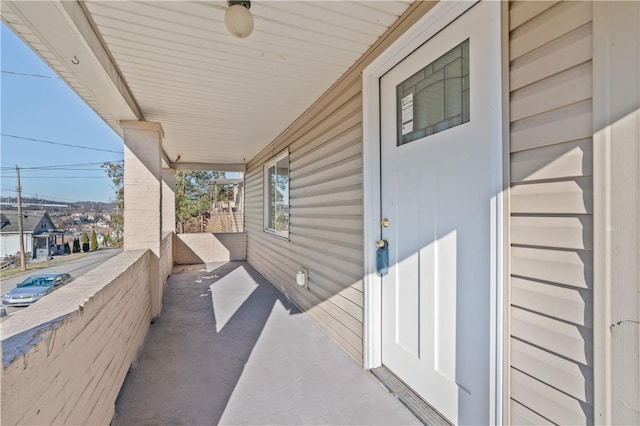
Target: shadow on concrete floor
230, 349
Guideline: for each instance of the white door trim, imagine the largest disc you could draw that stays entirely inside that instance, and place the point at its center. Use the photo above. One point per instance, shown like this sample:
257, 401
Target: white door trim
441, 15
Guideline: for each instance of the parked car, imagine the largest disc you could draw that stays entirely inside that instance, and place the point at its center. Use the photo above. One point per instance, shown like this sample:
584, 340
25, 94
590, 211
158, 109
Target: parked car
34, 288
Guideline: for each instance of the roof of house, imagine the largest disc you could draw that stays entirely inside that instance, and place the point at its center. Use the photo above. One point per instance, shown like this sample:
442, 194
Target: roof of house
4, 220
30, 221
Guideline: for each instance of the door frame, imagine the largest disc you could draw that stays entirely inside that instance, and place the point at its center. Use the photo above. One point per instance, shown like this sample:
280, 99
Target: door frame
436, 19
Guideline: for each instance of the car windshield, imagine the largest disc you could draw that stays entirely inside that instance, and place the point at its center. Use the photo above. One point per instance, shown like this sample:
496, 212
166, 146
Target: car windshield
37, 282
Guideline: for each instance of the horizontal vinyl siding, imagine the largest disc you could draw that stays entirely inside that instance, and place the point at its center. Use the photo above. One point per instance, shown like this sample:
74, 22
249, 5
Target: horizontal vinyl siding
551, 200
326, 223
326, 206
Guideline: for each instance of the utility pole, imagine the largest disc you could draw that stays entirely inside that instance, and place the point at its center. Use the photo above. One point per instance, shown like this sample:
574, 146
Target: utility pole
23, 262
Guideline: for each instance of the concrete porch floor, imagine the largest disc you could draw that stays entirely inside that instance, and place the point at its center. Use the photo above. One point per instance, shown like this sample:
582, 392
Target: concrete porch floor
250, 357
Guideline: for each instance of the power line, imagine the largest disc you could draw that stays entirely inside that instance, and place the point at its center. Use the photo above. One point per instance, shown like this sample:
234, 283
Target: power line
54, 166
57, 169
62, 169
60, 177
30, 75
60, 143
58, 166
51, 197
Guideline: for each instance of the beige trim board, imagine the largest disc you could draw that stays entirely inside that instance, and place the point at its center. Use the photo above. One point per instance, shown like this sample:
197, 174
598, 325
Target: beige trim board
503, 406
616, 173
215, 167
148, 126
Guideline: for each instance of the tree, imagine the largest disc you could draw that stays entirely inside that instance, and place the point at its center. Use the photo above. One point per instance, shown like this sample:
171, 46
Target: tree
193, 193
76, 245
115, 171
85, 242
93, 245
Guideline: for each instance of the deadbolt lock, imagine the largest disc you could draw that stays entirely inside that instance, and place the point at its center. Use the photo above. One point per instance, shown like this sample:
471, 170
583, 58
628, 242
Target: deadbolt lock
385, 223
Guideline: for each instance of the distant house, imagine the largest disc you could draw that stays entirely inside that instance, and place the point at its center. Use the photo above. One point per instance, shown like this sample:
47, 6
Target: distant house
40, 236
4, 220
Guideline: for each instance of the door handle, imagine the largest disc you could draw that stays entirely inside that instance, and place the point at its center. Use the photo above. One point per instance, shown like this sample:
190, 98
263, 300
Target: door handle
382, 257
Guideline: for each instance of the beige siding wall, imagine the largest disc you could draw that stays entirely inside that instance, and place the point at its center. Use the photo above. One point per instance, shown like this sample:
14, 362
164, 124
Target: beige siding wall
551, 312
326, 225
69, 370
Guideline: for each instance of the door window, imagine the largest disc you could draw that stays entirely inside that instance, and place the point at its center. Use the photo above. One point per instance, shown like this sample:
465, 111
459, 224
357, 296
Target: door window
435, 98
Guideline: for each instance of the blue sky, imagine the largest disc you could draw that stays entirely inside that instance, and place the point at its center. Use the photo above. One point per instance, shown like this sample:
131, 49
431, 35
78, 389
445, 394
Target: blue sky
47, 109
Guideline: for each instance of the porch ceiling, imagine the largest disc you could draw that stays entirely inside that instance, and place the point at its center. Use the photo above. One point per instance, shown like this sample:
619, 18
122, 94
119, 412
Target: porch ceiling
219, 99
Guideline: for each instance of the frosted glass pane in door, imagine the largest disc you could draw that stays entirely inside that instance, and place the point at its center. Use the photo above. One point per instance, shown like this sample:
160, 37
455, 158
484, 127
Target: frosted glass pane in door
435, 98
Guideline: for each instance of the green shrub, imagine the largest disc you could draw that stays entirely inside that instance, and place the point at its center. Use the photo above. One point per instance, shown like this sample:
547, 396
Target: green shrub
85, 242
94, 241
76, 245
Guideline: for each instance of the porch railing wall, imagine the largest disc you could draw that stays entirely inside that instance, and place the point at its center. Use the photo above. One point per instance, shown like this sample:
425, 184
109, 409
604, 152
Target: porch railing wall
202, 247
66, 361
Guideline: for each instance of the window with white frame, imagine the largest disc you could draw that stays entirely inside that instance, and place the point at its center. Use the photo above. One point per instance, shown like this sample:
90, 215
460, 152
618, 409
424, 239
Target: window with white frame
276, 195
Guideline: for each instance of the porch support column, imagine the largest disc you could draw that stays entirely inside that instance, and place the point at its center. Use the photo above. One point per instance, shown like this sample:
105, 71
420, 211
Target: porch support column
168, 200
143, 196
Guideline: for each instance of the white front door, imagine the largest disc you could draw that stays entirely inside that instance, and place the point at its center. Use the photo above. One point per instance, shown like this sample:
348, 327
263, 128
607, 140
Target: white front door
441, 163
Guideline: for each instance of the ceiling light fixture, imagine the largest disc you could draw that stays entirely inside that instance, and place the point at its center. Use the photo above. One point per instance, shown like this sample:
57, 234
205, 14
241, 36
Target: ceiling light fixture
238, 19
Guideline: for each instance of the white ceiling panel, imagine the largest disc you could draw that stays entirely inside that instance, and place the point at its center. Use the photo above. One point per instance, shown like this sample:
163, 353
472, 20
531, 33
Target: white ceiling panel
221, 99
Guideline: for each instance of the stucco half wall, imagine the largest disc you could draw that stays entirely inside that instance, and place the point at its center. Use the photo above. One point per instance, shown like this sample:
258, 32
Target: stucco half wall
65, 363
199, 248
